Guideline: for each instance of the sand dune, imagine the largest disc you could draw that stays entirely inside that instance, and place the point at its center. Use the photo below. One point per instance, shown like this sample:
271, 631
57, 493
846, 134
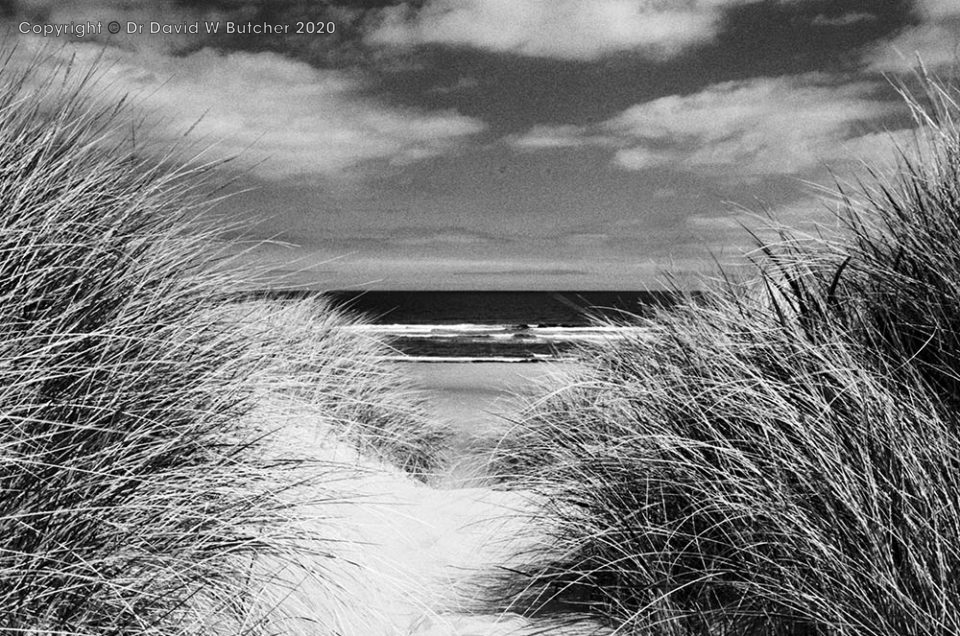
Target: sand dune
408, 556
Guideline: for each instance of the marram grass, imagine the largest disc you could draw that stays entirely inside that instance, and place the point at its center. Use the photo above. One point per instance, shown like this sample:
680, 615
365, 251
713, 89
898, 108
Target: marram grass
137, 491
781, 458
344, 374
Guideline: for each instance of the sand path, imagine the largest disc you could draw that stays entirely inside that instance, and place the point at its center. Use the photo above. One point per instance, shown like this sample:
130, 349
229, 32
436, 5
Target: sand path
409, 556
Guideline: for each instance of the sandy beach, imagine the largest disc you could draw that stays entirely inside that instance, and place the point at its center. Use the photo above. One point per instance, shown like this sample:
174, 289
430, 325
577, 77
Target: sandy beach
477, 394
413, 555
478, 400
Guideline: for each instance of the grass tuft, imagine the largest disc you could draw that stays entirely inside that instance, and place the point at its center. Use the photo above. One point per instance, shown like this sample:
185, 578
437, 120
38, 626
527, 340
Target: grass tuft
138, 492
344, 373
781, 456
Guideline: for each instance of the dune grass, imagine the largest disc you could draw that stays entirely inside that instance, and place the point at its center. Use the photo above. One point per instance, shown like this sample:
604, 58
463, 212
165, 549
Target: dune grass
781, 456
345, 375
137, 492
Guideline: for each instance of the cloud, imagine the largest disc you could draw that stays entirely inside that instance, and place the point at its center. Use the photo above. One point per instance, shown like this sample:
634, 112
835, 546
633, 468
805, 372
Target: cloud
939, 9
546, 137
936, 45
883, 149
285, 118
561, 29
843, 20
730, 236
439, 236
586, 239
342, 48
524, 271
802, 215
757, 127
139, 11
640, 158
936, 40
297, 119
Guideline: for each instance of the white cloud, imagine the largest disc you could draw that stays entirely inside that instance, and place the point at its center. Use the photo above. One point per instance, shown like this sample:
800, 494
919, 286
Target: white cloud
749, 128
586, 239
441, 237
843, 20
731, 235
545, 137
936, 45
562, 29
762, 126
284, 116
938, 9
640, 158
139, 11
883, 149
300, 120
936, 41
804, 215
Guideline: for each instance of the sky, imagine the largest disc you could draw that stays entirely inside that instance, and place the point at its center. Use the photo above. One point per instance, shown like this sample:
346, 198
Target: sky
513, 144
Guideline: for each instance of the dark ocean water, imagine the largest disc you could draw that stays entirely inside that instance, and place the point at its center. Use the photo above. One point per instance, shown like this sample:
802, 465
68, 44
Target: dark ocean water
547, 309
477, 326
490, 325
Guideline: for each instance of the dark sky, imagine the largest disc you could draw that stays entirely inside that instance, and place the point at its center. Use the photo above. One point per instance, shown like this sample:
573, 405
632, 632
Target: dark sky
518, 144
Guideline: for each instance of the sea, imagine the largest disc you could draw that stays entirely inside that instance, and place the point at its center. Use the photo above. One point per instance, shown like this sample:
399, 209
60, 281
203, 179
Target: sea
496, 326
488, 326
